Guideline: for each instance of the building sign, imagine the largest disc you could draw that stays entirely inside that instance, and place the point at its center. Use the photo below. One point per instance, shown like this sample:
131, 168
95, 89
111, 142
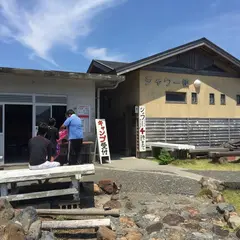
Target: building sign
167, 82
142, 128
102, 138
83, 111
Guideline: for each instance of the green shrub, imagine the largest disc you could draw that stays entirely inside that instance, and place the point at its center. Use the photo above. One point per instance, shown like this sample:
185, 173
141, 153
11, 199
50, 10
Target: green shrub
164, 158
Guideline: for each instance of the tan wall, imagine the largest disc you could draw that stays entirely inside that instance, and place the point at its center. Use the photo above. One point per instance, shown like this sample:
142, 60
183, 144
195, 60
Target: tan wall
153, 96
126, 94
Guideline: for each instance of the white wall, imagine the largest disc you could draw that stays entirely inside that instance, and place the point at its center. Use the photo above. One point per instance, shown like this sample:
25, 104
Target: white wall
78, 91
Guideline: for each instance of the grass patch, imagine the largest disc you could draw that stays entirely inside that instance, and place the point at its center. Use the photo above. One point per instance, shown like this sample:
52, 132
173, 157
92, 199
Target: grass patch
232, 197
205, 164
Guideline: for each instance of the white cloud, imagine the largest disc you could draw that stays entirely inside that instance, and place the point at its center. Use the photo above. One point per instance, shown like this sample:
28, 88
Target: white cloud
102, 54
49, 23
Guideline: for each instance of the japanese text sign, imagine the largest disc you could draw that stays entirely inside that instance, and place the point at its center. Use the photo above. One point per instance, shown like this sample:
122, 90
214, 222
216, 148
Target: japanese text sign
102, 137
142, 128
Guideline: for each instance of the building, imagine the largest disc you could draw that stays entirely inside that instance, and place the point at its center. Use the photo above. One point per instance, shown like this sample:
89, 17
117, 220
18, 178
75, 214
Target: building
30, 96
177, 111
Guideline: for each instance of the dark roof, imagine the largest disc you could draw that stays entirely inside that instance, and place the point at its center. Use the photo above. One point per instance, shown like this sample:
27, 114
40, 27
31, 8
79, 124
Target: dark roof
177, 50
112, 65
120, 68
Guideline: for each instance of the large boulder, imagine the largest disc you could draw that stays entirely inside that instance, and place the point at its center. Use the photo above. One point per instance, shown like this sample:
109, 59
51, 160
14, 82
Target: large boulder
112, 204
173, 219
26, 217
34, 232
155, 227
13, 231
6, 211
105, 233
106, 185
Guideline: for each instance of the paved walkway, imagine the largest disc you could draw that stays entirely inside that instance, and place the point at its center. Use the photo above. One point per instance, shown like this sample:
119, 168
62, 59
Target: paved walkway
141, 165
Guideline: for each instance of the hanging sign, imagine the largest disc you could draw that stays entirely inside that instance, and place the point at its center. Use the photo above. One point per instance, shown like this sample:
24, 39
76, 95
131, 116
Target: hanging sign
83, 111
102, 138
142, 128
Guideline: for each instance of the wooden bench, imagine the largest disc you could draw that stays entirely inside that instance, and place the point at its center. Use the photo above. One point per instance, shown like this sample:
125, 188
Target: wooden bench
12, 177
219, 157
204, 151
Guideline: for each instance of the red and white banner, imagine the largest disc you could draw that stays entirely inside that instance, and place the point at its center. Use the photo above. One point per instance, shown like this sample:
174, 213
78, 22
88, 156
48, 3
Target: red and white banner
142, 128
102, 137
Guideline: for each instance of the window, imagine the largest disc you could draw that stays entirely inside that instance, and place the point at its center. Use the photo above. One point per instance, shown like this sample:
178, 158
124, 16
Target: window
194, 98
43, 113
223, 99
177, 97
58, 112
211, 99
238, 99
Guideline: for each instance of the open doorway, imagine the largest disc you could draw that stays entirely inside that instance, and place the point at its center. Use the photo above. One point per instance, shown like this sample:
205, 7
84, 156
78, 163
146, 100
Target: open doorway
18, 131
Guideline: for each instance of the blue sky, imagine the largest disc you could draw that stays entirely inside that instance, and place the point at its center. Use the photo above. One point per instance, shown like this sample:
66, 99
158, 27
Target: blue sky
67, 34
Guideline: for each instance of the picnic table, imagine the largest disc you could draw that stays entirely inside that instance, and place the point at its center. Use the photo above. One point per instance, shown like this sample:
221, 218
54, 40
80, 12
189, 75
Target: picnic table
12, 177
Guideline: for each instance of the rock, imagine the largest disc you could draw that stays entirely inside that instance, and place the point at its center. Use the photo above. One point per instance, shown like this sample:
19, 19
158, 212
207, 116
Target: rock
112, 204
13, 231
190, 212
105, 233
173, 219
129, 205
226, 216
26, 217
222, 207
6, 211
238, 233
199, 236
193, 225
234, 222
34, 231
127, 222
107, 186
47, 236
175, 234
155, 227
97, 190
133, 235
219, 231
115, 197
208, 183
219, 198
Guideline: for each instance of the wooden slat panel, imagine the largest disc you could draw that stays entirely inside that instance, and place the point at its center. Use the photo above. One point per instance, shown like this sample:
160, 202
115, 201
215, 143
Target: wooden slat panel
37, 195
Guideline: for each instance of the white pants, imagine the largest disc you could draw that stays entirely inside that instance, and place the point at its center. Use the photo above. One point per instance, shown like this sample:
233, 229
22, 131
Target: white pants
45, 165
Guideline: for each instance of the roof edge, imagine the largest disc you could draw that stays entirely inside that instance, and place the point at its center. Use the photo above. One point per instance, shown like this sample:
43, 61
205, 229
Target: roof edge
177, 50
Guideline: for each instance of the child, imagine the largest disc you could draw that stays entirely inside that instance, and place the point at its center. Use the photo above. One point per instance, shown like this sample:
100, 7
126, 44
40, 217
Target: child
53, 136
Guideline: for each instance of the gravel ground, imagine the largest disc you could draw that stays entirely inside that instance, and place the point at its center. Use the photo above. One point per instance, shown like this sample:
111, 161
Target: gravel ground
147, 182
227, 176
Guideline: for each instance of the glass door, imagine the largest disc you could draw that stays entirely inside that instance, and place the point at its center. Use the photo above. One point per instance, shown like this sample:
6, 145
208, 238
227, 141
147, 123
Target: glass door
43, 113
1, 134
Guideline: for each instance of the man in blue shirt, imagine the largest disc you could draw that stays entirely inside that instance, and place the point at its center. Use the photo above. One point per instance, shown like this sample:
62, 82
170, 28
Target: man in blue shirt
75, 135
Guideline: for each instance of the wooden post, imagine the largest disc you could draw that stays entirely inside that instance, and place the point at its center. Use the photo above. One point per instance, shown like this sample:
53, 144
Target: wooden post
76, 224
80, 212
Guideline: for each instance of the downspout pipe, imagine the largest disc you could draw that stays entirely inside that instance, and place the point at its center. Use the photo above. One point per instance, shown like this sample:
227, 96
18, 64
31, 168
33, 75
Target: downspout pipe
99, 93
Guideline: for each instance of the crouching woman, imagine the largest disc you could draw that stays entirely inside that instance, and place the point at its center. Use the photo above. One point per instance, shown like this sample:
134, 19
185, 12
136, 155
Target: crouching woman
40, 150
